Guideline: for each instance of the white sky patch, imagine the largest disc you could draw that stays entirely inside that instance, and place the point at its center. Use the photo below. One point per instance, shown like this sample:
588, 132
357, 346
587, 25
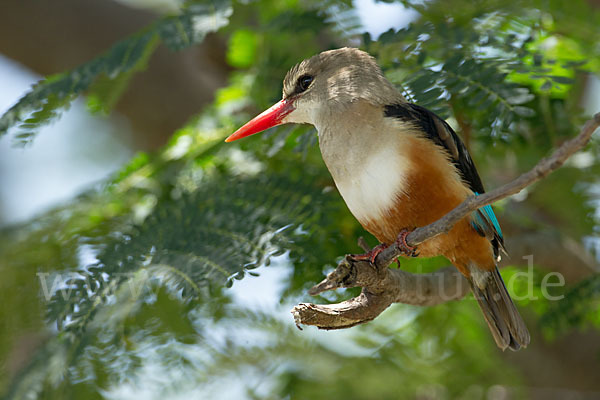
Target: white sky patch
262, 292
583, 159
380, 17
243, 163
591, 101
64, 159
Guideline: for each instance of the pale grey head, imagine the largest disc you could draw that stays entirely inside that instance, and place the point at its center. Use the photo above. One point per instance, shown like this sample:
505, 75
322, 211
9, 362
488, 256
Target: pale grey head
333, 87
333, 80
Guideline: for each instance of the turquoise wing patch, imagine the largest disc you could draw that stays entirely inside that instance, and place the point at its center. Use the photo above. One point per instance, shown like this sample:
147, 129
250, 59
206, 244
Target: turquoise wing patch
485, 222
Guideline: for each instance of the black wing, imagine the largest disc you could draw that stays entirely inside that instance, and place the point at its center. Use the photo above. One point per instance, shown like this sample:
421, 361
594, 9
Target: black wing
437, 130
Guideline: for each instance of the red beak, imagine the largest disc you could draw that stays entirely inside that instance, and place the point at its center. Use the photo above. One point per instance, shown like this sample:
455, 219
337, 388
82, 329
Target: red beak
265, 120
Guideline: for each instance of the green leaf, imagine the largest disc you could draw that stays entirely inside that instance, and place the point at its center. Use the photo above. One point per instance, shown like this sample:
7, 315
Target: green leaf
242, 48
565, 80
106, 90
190, 28
518, 95
524, 111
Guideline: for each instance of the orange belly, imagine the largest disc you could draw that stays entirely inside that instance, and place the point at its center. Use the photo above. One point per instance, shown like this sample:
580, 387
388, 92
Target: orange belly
432, 189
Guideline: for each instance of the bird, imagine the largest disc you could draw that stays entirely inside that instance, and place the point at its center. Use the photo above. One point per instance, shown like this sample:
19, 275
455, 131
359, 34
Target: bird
398, 166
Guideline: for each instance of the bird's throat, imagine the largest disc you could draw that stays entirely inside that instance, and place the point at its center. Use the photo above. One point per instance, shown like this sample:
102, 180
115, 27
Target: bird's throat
367, 160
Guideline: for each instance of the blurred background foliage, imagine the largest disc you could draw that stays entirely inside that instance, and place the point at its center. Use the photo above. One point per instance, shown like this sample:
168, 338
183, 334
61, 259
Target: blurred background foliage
174, 277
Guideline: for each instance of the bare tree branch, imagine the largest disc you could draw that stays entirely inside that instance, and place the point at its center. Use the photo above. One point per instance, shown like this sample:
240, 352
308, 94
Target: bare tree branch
383, 286
541, 170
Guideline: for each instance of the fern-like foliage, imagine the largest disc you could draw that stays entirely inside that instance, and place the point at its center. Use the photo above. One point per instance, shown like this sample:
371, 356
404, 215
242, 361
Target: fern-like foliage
207, 238
579, 308
189, 247
485, 69
106, 76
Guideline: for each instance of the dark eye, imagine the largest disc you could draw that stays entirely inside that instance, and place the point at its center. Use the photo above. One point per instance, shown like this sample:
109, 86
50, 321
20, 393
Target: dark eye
303, 83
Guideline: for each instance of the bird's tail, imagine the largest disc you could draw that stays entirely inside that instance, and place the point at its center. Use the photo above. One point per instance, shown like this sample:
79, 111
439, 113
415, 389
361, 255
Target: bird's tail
501, 315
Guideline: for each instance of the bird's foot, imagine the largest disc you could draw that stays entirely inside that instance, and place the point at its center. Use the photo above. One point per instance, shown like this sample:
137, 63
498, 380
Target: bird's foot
403, 246
370, 255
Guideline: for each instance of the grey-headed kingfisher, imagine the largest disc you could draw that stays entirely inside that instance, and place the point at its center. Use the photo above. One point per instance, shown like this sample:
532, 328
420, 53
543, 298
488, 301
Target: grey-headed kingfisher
398, 166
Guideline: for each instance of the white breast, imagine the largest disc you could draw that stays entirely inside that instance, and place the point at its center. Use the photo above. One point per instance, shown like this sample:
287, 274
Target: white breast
366, 154
371, 188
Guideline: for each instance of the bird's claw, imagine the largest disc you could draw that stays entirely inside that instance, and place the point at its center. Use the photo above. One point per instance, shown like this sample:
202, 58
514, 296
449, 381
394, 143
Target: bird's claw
370, 255
403, 246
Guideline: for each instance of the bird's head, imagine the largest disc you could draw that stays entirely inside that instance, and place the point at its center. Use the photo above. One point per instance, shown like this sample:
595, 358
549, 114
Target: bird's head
324, 86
